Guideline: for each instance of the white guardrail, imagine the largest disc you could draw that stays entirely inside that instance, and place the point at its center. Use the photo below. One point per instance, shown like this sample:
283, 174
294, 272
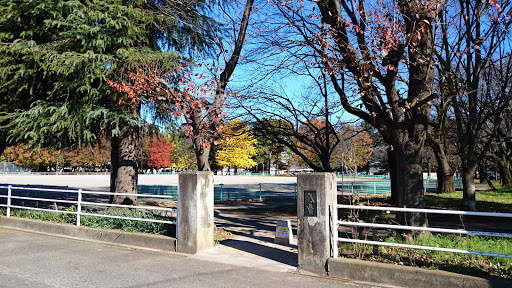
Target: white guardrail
336, 239
80, 203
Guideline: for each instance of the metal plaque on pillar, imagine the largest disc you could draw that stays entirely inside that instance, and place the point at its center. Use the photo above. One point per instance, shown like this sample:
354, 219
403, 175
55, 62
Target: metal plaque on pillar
310, 203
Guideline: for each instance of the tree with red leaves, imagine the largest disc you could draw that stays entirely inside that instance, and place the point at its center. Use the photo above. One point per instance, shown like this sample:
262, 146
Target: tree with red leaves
180, 92
160, 150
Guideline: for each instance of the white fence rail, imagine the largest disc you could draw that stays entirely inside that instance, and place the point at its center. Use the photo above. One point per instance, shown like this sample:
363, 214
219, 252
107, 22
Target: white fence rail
80, 203
336, 222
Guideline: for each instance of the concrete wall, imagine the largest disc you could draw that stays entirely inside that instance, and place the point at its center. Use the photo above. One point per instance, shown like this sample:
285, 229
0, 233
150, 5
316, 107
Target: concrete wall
93, 234
405, 276
314, 232
195, 212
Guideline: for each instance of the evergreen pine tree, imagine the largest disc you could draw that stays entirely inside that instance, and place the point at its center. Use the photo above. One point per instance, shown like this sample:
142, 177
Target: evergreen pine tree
56, 58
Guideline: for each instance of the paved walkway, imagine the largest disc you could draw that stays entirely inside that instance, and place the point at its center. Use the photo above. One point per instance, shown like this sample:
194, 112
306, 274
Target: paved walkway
253, 244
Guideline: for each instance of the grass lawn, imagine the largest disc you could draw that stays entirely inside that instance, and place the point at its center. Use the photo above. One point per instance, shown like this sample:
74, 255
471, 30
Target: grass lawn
488, 200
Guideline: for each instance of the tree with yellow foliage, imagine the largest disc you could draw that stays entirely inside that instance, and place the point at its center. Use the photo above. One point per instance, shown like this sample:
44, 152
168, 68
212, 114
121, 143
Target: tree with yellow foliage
236, 146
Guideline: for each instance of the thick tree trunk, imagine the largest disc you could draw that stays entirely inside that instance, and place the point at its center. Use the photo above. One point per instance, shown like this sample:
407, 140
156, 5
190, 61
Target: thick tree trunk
506, 178
468, 188
114, 163
3, 142
411, 177
202, 155
444, 174
326, 163
445, 182
406, 175
393, 176
482, 172
125, 172
505, 172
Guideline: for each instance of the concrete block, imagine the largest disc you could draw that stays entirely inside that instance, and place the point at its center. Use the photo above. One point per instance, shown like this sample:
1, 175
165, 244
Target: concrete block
195, 212
284, 234
315, 194
391, 274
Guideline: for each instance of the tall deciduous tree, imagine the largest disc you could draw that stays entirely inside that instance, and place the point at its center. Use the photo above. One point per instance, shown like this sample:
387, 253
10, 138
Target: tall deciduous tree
199, 99
88, 155
306, 123
356, 150
379, 57
236, 146
501, 152
202, 134
388, 50
40, 158
160, 150
478, 66
183, 156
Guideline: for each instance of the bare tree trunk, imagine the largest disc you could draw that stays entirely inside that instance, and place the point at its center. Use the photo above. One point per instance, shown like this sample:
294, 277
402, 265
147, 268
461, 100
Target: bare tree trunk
444, 171
412, 179
468, 191
124, 173
482, 169
393, 176
3, 141
505, 172
202, 154
114, 163
506, 178
445, 182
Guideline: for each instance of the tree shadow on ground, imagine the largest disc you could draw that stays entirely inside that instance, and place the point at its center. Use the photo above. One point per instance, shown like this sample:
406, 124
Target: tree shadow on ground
250, 225
275, 254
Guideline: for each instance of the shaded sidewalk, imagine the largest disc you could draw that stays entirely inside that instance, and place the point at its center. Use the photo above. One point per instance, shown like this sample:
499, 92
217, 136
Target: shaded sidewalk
253, 242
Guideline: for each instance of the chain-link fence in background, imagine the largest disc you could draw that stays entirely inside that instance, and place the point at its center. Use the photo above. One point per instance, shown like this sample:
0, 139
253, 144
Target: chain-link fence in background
8, 167
274, 191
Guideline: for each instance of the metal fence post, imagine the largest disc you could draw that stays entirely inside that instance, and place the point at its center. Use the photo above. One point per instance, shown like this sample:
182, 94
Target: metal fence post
177, 211
221, 192
78, 207
334, 230
260, 191
374, 187
9, 191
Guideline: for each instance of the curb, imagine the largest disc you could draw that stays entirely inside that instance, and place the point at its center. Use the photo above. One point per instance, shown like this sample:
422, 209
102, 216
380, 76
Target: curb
405, 276
157, 242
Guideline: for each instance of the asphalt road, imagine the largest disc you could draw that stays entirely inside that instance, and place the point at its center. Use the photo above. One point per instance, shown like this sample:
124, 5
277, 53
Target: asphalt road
35, 260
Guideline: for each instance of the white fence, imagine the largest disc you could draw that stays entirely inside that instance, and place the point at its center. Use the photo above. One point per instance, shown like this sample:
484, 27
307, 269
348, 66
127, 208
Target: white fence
80, 203
336, 222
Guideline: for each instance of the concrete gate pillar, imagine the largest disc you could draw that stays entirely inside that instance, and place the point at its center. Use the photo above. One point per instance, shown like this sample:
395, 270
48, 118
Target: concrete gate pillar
195, 212
315, 194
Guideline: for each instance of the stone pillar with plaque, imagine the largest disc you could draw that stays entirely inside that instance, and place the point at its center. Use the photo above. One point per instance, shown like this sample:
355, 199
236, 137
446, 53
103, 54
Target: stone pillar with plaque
315, 194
